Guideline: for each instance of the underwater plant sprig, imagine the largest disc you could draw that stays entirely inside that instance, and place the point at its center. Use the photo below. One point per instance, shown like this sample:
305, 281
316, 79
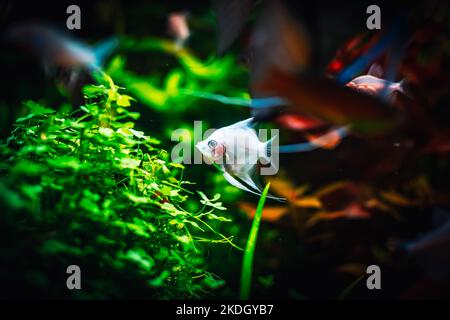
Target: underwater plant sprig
111, 198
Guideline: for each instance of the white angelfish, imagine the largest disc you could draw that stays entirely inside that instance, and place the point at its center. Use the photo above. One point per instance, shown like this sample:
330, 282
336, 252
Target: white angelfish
237, 149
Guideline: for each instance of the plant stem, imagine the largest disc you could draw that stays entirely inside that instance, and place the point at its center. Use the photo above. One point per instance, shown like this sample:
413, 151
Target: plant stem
247, 265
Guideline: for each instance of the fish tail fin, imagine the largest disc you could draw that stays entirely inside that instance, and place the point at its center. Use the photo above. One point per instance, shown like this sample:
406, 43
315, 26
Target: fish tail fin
266, 149
402, 87
103, 50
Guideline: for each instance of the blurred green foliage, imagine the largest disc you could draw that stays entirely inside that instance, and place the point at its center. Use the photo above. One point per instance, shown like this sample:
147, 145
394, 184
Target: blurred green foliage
169, 75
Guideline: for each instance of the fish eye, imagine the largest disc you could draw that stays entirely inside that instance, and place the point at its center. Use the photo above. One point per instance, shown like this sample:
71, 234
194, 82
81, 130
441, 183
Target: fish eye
212, 143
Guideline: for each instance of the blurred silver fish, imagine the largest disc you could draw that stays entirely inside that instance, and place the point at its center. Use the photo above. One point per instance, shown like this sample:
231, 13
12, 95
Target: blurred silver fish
375, 86
69, 61
237, 149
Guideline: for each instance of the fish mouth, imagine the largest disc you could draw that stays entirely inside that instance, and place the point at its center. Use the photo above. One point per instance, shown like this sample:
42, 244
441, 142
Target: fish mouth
201, 149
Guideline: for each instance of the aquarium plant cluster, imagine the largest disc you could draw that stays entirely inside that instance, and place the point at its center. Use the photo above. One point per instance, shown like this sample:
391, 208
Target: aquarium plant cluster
85, 188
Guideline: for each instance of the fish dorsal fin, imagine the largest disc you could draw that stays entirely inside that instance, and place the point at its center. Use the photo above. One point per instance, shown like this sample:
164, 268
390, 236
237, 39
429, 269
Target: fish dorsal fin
376, 70
248, 123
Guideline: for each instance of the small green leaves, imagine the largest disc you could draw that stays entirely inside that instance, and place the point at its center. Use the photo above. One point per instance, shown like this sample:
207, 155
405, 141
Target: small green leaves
107, 132
211, 202
92, 91
124, 100
213, 283
32, 191
159, 281
65, 162
56, 247
37, 109
136, 199
28, 168
176, 165
10, 199
184, 239
129, 163
139, 257
23, 119
84, 109
215, 217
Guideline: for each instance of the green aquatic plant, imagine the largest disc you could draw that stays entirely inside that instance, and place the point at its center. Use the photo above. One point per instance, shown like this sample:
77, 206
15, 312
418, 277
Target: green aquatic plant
247, 264
87, 188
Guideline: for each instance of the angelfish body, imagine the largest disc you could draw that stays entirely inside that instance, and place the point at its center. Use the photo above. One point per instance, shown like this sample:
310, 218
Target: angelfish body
237, 149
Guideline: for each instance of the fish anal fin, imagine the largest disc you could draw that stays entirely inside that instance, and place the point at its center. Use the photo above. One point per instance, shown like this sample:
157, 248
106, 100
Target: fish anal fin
233, 181
256, 185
